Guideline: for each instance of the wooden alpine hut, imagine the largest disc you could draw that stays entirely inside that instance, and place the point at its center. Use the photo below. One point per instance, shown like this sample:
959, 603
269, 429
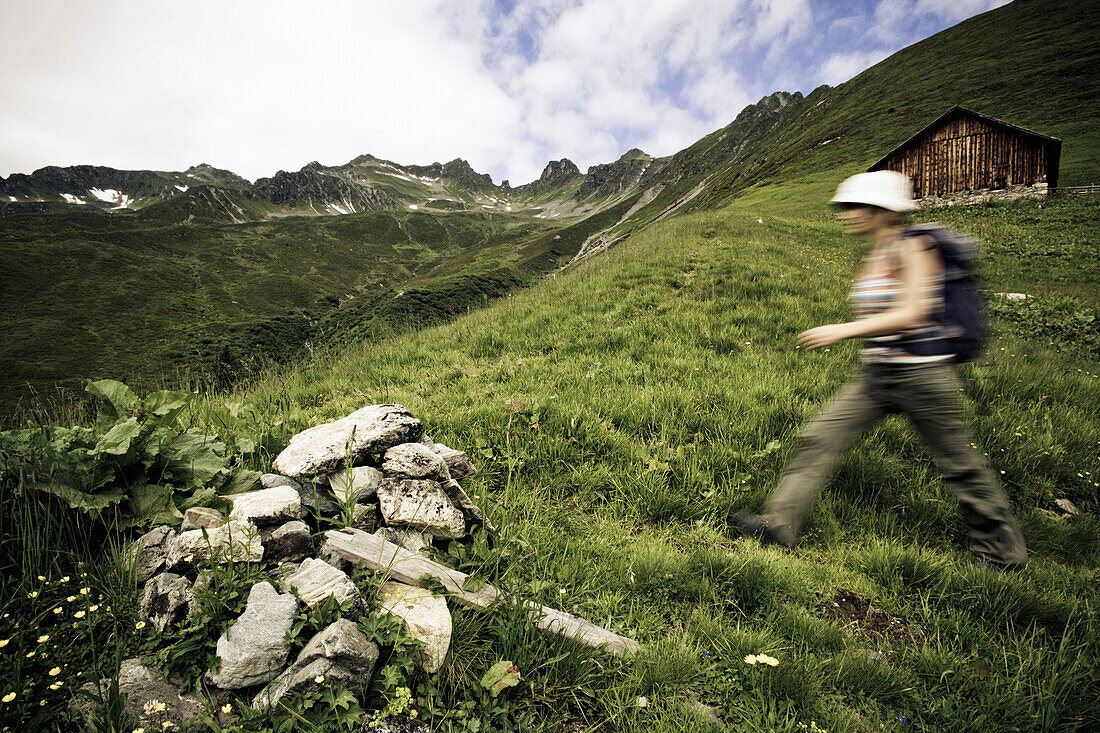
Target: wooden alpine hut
966, 151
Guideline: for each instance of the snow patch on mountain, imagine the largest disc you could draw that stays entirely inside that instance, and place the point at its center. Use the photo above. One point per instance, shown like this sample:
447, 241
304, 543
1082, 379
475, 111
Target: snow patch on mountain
413, 207
73, 199
13, 198
180, 188
111, 196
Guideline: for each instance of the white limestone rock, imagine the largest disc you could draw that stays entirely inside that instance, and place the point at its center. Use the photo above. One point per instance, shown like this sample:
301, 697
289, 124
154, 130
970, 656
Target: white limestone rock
302, 679
273, 480
421, 504
365, 432
414, 460
149, 552
235, 540
316, 580
352, 486
341, 652
167, 600
254, 650
1067, 506
198, 517
458, 463
426, 617
289, 543
142, 684
411, 539
267, 506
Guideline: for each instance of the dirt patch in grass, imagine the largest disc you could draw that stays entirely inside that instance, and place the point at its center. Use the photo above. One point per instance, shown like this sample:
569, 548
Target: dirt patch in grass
858, 614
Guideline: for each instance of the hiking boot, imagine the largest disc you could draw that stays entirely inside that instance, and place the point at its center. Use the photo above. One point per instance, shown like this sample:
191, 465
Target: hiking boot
979, 561
756, 525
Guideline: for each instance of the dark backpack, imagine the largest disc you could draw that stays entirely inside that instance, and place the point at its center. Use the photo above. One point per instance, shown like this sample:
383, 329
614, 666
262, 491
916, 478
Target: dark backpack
962, 320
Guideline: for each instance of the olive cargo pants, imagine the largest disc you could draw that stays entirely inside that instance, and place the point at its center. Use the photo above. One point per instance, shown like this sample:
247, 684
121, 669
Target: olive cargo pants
928, 395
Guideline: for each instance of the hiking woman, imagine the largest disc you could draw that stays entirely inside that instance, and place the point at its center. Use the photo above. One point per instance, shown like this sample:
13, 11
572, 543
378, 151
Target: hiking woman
908, 368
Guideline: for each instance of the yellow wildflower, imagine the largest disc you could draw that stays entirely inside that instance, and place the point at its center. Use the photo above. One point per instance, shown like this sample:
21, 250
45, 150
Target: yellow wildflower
33, 594
319, 679
44, 638
751, 659
138, 730
9, 697
30, 654
57, 610
85, 591
4, 643
65, 579
78, 614
227, 708
139, 625
54, 672
93, 609
70, 599
765, 659
55, 685
167, 724
41, 577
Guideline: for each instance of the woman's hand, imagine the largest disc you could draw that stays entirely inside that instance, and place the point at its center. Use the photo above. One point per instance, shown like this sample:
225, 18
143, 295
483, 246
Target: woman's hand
815, 338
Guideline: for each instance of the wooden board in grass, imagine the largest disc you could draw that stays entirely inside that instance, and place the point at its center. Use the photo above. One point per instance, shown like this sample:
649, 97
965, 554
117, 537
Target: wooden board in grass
409, 567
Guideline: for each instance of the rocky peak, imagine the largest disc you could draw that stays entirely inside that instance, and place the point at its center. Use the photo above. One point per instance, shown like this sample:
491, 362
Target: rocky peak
771, 103
636, 153
558, 170
206, 174
612, 178
460, 171
435, 170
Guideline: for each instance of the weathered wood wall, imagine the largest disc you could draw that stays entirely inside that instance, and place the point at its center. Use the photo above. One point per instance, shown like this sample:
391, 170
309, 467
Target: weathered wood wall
965, 154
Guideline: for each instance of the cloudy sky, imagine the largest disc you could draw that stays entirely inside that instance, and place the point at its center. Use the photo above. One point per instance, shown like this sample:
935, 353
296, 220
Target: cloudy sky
259, 86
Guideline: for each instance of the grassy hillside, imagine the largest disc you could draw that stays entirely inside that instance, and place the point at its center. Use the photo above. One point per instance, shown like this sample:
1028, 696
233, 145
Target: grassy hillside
620, 413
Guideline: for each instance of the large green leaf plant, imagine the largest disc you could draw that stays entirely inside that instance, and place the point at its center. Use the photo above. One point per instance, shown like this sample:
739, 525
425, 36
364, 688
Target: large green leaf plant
136, 465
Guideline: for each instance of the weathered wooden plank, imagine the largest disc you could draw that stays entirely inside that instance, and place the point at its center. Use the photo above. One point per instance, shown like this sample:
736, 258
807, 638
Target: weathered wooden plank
409, 567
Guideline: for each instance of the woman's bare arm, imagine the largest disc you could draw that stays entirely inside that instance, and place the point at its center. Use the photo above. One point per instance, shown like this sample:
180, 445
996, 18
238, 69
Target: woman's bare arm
919, 265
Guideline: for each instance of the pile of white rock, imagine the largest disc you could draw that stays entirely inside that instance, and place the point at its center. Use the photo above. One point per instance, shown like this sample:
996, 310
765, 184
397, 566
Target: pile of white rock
375, 470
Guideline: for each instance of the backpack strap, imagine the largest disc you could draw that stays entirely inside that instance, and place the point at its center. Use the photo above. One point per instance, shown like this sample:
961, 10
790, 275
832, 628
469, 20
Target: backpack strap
957, 250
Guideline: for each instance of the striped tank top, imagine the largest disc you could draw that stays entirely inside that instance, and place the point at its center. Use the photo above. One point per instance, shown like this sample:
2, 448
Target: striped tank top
872, 295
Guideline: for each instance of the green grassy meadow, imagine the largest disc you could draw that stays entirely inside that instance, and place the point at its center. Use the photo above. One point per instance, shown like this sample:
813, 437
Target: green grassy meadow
622, 411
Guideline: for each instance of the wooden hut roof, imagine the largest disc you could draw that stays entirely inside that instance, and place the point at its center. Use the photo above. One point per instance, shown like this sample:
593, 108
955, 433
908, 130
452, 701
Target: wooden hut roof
959, 111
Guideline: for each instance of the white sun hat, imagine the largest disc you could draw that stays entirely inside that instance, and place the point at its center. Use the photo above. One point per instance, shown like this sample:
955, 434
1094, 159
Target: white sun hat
885, 189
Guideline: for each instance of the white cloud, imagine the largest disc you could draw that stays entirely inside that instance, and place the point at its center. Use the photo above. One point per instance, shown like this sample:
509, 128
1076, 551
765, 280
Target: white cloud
259, 85
840, 67
894, 19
